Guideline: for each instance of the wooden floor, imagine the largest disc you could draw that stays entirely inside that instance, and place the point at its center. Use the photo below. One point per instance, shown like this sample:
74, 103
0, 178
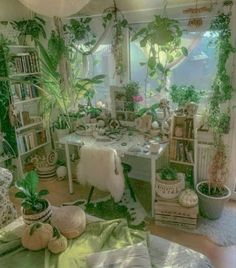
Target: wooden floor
221, 257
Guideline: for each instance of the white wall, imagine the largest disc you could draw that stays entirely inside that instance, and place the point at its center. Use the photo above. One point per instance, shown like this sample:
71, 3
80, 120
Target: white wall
12, 10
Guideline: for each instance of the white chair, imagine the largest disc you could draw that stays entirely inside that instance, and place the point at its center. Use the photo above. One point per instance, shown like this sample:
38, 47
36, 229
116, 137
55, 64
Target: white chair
100, 167
7, 209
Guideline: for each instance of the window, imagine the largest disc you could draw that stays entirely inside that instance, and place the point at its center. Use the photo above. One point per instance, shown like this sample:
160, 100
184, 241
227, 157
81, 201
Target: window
197, 69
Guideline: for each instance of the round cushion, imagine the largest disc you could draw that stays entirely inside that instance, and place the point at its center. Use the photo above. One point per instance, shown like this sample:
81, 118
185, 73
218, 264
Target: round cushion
70, 220
188, 198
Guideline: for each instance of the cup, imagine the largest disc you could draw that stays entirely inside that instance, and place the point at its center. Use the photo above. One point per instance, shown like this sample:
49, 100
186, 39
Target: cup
154, 147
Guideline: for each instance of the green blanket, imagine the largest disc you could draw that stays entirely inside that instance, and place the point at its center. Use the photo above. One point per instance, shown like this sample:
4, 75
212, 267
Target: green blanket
99, 236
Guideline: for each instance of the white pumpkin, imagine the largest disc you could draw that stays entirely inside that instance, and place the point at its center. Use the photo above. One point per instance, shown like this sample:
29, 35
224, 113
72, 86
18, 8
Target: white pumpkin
188, 198
36, 236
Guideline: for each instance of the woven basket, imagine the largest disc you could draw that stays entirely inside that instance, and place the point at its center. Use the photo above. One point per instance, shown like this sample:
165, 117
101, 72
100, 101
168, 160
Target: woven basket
43, 216
170, 189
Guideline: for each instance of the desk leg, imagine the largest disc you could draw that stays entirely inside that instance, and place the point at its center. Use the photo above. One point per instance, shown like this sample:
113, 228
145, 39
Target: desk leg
153, 183
69, 168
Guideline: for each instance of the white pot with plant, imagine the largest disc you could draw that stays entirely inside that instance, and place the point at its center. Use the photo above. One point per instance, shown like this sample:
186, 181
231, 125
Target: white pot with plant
33, 206
169, 183
61, 127
213, 193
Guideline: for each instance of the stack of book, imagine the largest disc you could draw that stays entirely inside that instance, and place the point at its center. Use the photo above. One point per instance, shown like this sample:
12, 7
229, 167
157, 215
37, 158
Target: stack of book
24, 91
25, 63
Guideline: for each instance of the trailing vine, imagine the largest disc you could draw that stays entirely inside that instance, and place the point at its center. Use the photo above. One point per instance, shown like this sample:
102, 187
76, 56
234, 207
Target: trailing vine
5, 95
222, 92
119, 24
221, 87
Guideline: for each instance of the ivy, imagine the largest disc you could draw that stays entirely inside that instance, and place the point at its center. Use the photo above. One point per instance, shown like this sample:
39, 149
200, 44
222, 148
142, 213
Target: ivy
5, 95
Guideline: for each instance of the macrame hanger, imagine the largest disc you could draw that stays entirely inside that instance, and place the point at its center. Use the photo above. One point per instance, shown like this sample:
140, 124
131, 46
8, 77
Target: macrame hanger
164, 4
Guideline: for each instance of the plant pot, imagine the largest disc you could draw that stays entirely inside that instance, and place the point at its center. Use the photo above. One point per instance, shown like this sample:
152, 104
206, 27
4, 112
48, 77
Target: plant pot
211, 207
43, 216
60, 133
168, 189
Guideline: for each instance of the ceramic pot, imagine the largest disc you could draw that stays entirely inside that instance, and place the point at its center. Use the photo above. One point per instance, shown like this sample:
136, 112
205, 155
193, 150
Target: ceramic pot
60, 133
211, 207
43, 216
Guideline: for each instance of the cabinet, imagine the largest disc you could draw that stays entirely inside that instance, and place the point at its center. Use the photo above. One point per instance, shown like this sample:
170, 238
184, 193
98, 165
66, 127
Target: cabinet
183, 145
24, 74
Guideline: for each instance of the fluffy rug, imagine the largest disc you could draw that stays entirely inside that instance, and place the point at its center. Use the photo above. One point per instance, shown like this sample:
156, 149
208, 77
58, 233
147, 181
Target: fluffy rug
107, 209
221, 231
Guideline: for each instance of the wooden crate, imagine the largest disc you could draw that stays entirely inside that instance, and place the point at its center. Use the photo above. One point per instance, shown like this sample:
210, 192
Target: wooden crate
170, 212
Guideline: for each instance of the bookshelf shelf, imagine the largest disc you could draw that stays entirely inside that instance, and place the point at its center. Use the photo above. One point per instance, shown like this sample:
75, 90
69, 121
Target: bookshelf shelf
29, 126
24, 74
182, 163
182, 139
35, 148
26, 101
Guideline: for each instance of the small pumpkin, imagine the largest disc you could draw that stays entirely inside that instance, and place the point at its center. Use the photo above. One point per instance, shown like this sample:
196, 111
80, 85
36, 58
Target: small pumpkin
58, 243
188, 198
36, 236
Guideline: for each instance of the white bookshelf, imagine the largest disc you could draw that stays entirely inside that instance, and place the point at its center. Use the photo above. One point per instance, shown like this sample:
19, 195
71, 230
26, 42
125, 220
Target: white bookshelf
183, 144
31, 134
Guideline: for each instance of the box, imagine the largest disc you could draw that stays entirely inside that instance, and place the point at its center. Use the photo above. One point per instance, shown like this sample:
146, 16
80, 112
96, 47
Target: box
170, 212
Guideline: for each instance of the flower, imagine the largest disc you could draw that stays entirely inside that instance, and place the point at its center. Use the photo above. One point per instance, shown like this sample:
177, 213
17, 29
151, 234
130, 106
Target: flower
137, 98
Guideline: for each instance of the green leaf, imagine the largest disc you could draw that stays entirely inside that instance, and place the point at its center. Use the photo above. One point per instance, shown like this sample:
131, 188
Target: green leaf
184, 51
20, 195
43, 192
151, 63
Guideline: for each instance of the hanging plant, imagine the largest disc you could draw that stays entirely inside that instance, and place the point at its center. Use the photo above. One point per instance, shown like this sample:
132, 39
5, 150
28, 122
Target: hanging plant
119, 25
5, 97
162, 40
79, 32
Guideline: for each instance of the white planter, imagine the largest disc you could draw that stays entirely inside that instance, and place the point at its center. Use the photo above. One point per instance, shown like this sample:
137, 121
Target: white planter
60, 133
211, 207
43, 216
170, 189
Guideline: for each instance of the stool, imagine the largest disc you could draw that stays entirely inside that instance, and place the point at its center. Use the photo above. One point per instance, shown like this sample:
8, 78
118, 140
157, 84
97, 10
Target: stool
126, 169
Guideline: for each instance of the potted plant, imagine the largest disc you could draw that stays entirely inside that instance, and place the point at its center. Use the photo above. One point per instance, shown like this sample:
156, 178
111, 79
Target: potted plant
61, 126
131, 93
181, 95
33, 28
169, 183
213, 193
34, 207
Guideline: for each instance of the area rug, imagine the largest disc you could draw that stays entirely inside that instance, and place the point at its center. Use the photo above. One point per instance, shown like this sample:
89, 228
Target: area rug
221, 231
107, 209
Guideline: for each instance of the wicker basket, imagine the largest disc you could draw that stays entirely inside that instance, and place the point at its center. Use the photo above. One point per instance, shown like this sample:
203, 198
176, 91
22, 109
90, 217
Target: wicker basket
170, 189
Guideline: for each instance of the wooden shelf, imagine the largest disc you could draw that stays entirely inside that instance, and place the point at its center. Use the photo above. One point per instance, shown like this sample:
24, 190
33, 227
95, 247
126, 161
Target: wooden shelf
24, 74
35, 148
26, 101
182, 163
29, 126
182, 139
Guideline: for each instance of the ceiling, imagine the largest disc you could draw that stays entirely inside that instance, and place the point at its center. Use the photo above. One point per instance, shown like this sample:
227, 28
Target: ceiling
97, 6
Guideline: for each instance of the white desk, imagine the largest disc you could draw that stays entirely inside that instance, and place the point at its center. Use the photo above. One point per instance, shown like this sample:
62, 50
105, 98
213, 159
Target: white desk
118, 145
